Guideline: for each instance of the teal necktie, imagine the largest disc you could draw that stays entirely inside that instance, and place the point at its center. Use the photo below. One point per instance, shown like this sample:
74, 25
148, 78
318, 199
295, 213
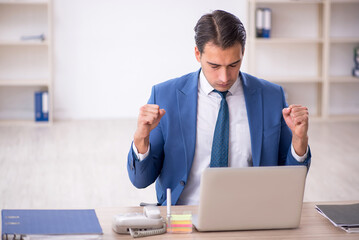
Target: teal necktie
219, 154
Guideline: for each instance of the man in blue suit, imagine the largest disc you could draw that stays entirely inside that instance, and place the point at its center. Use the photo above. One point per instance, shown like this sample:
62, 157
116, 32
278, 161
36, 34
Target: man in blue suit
215, 112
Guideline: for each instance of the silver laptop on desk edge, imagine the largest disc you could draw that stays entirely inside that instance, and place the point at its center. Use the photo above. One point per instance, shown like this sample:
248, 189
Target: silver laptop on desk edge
250, 198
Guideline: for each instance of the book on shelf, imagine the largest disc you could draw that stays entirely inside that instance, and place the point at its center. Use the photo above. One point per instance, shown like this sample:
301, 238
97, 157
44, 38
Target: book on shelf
50, 224
263, 22
356, 62
259, 22
344, 216
41, 106
356, 72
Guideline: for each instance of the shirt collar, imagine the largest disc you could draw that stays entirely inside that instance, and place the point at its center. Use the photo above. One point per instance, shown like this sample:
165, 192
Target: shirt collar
207, 88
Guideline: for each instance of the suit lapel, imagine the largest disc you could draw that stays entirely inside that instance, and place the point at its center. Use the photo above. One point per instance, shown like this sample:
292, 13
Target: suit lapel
253, 98
187, 110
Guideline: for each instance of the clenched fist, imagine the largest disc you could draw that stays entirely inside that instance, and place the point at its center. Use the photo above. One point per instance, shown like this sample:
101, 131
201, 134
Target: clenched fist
148, 118
296, 117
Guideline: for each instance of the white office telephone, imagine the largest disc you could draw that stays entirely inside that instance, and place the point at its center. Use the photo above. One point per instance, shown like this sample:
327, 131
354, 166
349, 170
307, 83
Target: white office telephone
138, 224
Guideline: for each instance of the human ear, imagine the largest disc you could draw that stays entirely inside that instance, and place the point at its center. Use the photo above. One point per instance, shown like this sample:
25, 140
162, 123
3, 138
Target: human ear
197, 53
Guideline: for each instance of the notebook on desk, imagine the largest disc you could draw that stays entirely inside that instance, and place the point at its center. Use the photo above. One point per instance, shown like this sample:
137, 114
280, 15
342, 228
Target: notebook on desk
250, 198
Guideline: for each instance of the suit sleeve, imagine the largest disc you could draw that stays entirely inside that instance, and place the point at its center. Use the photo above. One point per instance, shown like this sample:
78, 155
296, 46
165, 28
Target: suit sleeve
144, 173
285, 153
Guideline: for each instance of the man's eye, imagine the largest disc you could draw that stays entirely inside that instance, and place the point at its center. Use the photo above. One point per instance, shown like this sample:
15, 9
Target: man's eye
215, 67
233, 66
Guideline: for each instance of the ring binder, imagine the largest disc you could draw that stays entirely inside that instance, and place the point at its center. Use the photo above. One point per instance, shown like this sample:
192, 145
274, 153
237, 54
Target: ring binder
41, 106
259, 23
263, 22
356, 62
267, 22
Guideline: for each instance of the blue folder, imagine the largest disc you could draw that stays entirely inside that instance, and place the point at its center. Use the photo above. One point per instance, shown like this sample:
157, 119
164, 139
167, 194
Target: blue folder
41, 107
48, 222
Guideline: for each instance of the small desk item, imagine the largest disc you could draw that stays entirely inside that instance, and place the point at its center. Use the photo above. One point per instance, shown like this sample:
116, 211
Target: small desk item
32, 224
250, 198
345, 216
180, 223
140, 225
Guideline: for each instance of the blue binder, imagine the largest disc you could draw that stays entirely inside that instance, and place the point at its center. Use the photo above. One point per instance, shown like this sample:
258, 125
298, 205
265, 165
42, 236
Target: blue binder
41, 107
263, 22
356, 62
267, 22
48, 222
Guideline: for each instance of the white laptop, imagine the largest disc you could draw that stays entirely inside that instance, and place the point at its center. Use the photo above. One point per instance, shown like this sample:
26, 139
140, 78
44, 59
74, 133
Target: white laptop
250, 198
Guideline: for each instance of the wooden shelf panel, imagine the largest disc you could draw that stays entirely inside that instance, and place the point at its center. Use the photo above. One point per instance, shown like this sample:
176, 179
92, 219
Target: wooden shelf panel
288, 1
344, 40
24, 83
291, 79
24, 2
23, 43
288, 40
17, 122
343, 117
344, 1
343, 79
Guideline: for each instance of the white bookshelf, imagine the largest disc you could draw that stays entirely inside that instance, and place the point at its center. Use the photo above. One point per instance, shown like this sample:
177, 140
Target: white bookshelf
343, 38
310, 53
25, 65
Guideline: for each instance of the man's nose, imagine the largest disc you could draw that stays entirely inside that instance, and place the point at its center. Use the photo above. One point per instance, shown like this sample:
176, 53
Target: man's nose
224, 75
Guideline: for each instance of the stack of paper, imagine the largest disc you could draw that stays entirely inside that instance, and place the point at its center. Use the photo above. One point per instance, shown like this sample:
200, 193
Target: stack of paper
343, 216
180, 223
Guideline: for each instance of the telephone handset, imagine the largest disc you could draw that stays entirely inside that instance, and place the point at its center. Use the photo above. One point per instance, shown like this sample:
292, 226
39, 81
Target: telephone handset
138, 224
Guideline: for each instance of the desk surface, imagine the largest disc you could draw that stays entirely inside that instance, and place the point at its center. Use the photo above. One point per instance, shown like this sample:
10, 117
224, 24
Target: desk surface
312, 226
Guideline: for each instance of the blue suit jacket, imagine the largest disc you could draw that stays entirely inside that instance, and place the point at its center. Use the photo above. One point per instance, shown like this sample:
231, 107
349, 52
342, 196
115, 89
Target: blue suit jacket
173, 140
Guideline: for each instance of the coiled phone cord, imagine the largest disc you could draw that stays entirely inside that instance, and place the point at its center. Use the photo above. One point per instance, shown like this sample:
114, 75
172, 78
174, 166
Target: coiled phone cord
143, 233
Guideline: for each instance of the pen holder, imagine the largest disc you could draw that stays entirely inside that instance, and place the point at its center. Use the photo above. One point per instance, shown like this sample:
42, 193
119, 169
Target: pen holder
179, 223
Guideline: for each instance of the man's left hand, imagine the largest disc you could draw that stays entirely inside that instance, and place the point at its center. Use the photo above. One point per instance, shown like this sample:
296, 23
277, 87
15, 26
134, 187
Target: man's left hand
296, 117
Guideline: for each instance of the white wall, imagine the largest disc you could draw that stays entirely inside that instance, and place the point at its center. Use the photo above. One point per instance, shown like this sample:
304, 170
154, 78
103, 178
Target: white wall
109, 53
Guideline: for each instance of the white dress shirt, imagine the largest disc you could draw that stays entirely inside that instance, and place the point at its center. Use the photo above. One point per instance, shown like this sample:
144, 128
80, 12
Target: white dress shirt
239, 147
239, 152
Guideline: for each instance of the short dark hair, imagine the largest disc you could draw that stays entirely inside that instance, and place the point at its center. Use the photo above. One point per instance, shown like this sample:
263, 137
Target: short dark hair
221, 28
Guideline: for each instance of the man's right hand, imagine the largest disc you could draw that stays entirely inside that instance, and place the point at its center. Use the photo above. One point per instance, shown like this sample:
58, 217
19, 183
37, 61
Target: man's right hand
148, 118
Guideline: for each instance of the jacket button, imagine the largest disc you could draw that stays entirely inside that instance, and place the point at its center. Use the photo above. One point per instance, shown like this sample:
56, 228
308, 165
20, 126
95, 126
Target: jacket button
182, 183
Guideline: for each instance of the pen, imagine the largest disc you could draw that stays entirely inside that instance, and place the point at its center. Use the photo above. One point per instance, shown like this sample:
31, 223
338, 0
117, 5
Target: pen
168, 202
169, 223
